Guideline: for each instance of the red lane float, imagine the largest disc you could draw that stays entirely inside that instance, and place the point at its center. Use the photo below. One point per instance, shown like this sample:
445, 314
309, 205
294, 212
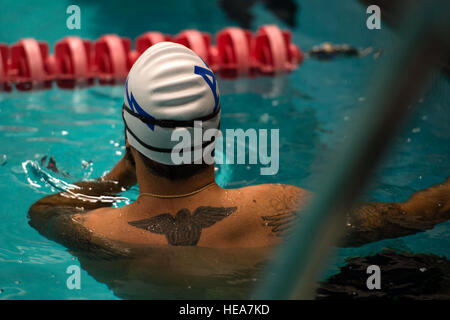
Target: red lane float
112, 58
5, 83
77, 62
146, 40
27, 67
273, 51
72, 64
234, 56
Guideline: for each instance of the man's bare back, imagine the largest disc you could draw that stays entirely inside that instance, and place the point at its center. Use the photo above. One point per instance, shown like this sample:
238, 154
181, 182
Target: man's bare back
253, 216
216, 217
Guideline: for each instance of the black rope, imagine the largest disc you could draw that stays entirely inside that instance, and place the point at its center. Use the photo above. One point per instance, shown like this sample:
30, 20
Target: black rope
170, 123
164, 150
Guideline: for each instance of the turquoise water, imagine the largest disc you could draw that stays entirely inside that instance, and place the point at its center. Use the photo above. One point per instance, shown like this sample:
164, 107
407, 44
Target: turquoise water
82, 129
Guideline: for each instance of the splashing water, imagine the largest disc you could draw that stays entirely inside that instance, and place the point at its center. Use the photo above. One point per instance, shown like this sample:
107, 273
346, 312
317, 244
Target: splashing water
37, 177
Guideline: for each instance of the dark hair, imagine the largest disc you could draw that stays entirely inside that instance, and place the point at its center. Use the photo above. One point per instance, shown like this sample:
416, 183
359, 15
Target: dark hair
178, 172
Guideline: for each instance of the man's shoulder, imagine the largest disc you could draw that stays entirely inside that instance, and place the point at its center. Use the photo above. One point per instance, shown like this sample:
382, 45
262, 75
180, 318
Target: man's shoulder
97, 219
276, 195
94, 214
268, 211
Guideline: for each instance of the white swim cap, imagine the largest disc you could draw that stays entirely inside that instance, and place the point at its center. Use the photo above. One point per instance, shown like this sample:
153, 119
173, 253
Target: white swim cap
167, 89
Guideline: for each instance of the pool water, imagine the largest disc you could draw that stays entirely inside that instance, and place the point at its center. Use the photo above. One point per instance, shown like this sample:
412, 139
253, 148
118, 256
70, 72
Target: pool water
82, 129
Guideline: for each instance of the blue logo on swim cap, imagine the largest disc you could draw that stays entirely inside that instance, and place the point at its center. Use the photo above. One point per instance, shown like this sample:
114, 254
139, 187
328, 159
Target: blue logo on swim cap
212, 85
132, 103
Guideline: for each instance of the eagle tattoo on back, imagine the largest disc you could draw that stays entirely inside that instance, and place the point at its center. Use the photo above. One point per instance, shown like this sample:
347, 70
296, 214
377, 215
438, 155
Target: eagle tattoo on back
184, 229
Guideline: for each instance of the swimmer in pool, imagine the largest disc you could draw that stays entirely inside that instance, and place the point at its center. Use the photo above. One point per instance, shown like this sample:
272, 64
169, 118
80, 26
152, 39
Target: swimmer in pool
168, 88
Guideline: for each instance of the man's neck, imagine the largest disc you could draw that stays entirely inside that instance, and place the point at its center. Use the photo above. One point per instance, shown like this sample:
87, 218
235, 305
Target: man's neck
150, 183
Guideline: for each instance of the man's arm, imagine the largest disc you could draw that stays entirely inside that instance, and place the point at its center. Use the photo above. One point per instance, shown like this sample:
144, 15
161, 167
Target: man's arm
371, 222
376, 221
85, 198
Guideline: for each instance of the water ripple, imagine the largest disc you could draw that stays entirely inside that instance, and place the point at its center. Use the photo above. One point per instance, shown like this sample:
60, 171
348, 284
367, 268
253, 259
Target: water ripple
39, 178
18, 129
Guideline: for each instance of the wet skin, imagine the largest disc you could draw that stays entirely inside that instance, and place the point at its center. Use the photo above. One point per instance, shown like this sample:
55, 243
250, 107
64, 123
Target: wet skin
253, 216
214, 243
